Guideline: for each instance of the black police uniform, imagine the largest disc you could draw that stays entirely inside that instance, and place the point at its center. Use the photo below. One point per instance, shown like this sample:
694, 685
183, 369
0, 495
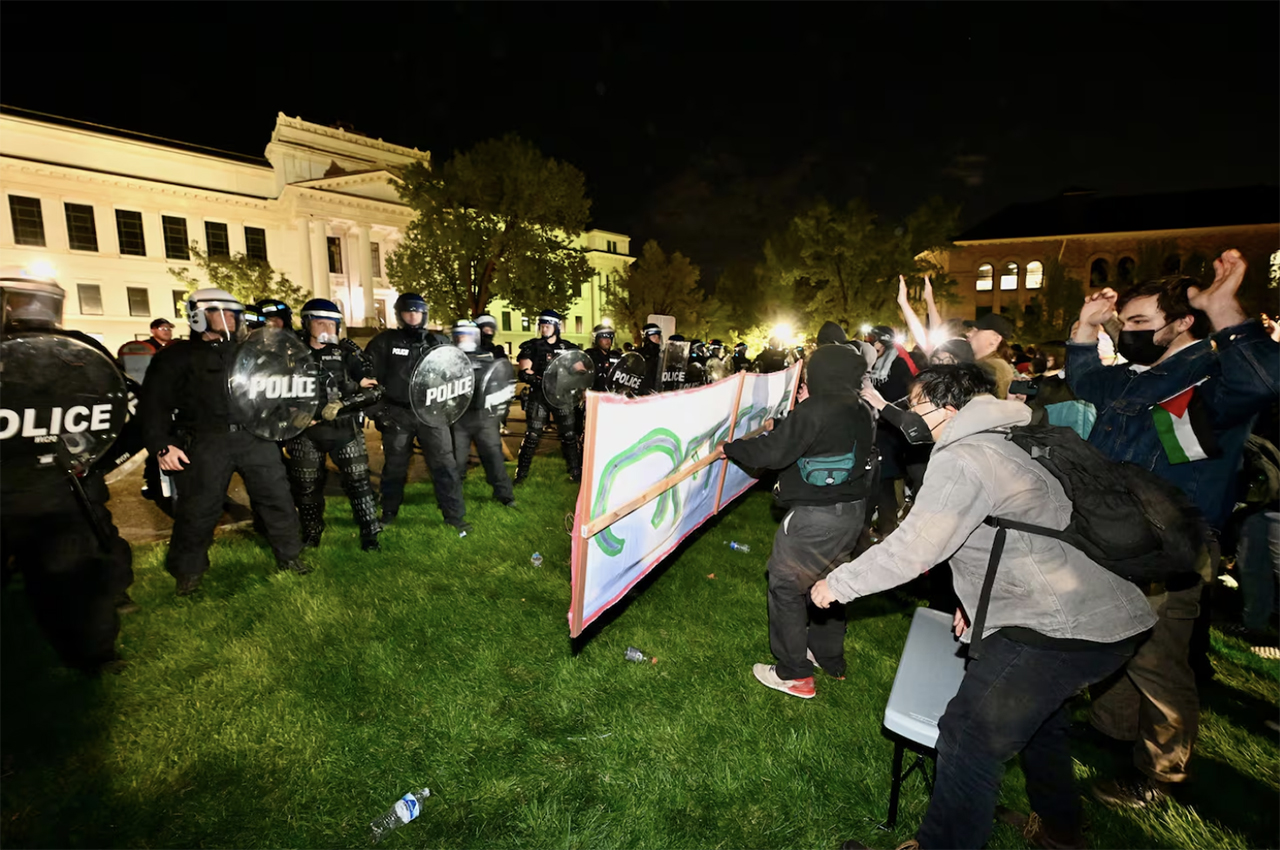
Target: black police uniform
740, 361
652, 353
75, 574
185, 403
604, 361
484, 428
771, 360
341, 370
394, 354
537, 409
488, 346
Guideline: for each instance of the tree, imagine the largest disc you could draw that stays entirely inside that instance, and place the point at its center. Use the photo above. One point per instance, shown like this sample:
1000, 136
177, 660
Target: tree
1055, 307
660, 284
496, 222
842, 265
248, 280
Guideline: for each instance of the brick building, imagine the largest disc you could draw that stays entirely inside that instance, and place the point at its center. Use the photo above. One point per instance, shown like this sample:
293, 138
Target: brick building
1114, 241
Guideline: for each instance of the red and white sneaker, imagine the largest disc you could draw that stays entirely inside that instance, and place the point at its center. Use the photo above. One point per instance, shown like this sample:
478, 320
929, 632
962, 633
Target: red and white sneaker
768, 676
808, 653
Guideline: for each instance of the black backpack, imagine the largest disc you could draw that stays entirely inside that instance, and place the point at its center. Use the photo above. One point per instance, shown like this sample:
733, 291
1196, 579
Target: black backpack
1123, 517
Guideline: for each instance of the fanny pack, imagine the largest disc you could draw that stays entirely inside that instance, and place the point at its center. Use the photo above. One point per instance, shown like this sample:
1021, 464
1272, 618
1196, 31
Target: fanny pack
827, 471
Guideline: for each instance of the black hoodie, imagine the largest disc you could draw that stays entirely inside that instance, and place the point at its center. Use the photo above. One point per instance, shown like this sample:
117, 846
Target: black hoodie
832, 421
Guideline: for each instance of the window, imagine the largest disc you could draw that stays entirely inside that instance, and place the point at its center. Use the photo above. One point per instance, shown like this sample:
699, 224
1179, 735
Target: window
179, 298
90, 299
1035, 274
1274, 280
986, 275
216, 240
175, 237
129, 229
82, 231
139, 303
1172, 264
377, 258
28, 221
255, 244
1099, 273
524, 323
1009, 277
335, 255
506, 320
577, 324
1125, 270
380, 308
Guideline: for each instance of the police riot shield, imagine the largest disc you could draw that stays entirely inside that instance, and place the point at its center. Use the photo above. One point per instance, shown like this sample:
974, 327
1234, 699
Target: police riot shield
673, 365
135, 357
58, 396
274, 385
569, 375
628, 375
441, 386
717, 369
695, 375
497, 388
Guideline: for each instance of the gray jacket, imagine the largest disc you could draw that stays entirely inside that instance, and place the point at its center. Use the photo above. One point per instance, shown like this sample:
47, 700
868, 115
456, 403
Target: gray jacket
1042, 584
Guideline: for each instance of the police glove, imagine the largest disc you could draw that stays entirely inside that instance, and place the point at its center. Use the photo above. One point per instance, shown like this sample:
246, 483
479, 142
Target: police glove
331, 411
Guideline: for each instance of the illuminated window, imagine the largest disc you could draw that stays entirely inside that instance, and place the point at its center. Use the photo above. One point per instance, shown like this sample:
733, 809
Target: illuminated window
524, 323
376, 250
28, 220
1009, 277
506, 320
139, 302
335, 255
1125, 270
577, 324
179, 298
986, 275
1099, 273
1275, 270
90, 299
1035, 274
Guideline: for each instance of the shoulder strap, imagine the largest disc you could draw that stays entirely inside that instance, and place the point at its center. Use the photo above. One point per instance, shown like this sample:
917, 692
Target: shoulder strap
984, 598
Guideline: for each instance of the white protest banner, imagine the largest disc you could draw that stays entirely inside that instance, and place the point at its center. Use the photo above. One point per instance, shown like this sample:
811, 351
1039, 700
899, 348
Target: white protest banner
649, 478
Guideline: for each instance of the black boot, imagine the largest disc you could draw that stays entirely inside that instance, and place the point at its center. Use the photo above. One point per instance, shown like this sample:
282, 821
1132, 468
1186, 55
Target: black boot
523, 461
573, 459
312, 520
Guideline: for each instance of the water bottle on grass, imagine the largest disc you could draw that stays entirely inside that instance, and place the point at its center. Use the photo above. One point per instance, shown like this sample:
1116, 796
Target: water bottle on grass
406, 809
738, 547
536, 560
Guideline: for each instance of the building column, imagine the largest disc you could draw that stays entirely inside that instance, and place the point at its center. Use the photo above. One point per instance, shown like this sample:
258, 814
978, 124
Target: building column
364, 257
319, 259
304, 251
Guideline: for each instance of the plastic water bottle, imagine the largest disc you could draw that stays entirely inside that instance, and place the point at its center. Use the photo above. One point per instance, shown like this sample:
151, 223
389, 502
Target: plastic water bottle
738, 547
406, 809
536, 560
639, 657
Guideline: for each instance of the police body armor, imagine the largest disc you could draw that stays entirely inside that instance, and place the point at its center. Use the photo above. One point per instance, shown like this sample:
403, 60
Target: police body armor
540, 353
604, 362
273, 384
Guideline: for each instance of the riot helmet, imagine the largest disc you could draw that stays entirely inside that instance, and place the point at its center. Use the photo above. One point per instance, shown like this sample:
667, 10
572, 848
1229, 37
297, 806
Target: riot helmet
273, 309
740, 348
652, 329
552, 319
488, 325
253, 319
466, 335
716, 348
203, 305
31, 303
411, 302
321, 308
698, 348
602, 334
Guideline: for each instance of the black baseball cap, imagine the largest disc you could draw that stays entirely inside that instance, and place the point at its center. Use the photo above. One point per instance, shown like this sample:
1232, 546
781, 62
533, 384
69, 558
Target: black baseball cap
993, 322
160, 323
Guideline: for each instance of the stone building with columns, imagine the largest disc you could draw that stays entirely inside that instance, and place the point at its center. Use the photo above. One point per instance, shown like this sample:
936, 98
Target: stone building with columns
1112, 241
108, 212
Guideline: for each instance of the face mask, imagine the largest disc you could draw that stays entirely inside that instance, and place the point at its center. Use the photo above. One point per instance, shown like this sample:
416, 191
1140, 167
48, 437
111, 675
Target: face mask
467, 344
1140, 346
915, 429
326, 338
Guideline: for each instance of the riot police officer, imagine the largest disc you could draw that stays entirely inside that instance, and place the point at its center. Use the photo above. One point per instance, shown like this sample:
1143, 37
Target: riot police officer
488, 326
58, 531
394, 354
478, 423
187, 423
602, 354
535, 354
773, 358
346, 385
651, 350
741, 362
275, 313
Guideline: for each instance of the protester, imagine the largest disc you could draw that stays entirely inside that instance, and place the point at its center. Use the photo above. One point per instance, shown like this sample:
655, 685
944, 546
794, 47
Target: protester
161, 336
1182, 408
188, 425
1056, 622
891, 378
1257, 525
986, 336
822, 448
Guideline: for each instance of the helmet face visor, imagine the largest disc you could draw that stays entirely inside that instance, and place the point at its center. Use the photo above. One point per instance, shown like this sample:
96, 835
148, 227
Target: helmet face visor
31, 310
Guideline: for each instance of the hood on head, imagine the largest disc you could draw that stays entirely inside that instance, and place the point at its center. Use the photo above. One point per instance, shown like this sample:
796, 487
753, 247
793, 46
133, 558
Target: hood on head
831, 333
835, 370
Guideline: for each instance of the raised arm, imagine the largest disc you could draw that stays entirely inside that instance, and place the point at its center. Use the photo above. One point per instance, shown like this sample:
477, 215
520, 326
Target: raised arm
935, 318
913, 321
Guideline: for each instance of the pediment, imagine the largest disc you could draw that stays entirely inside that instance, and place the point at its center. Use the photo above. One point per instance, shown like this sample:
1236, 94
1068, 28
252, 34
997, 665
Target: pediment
373, 184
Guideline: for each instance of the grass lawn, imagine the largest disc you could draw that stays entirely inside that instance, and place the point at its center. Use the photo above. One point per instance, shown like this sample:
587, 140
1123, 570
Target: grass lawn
288, 711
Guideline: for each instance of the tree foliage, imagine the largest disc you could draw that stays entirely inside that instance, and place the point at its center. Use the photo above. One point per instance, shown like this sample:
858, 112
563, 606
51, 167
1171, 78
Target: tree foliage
842, 265
667, 285
498, 221
248, 280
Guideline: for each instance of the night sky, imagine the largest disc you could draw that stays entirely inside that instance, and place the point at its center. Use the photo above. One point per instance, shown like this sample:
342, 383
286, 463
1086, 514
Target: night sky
702, 125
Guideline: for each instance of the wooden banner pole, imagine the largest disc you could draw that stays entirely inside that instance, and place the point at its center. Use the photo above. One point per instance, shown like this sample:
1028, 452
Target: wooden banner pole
733, 423
579, 553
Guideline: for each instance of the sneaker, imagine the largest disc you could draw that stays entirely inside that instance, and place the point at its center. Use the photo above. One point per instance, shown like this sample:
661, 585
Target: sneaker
126, 605
768, 676
808, 653
461, 524
1133, 792
188, 585
294, 565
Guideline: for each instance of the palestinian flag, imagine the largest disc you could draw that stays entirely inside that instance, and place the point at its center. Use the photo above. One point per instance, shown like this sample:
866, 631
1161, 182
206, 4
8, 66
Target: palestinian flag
1182, 423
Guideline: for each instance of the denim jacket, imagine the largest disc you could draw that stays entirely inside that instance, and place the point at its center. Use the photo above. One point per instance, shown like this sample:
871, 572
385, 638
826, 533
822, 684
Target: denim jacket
1241, 364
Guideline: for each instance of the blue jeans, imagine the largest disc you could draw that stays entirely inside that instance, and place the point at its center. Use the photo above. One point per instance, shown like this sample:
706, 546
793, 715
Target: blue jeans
1258, 557
1012, 700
